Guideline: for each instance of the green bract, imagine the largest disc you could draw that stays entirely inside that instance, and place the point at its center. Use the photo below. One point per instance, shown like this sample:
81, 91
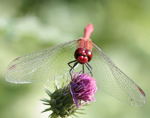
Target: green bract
60, 103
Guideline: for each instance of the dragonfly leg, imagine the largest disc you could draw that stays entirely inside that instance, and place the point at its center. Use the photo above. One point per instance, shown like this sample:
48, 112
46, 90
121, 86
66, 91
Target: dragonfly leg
83, 68
69, 64
89, 68
72, 68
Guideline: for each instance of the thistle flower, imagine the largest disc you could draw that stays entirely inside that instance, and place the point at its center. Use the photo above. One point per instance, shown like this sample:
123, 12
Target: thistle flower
82, 87
65, 101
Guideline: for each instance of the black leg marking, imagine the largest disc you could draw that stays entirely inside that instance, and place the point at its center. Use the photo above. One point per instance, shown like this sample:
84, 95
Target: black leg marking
72, 68
69, 64
83, 68
89, 68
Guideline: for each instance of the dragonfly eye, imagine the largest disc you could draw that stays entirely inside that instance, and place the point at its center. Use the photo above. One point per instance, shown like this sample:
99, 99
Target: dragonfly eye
89, 54
83, 55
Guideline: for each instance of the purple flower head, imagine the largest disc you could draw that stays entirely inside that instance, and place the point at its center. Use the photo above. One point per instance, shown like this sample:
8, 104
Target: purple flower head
82, 87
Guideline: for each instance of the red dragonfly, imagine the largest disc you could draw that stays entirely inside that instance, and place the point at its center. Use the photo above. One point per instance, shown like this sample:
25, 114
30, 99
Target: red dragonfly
78, 54
83, 53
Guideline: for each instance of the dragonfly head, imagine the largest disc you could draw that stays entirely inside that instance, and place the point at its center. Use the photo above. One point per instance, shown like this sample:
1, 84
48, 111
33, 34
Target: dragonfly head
83, 55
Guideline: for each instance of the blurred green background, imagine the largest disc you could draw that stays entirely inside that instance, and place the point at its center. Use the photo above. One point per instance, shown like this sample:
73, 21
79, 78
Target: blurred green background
122, 29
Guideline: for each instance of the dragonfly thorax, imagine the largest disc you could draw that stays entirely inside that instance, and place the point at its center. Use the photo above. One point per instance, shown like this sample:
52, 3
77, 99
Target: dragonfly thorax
83, 55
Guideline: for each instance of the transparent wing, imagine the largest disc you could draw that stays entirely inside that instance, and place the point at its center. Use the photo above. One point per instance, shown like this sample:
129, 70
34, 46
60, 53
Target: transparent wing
42, 65
113, 81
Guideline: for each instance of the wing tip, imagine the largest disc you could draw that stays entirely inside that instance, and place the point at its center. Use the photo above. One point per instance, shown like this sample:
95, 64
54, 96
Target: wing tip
138, 102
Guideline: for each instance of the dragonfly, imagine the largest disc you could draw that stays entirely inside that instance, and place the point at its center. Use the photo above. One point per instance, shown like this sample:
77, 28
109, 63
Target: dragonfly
76, 55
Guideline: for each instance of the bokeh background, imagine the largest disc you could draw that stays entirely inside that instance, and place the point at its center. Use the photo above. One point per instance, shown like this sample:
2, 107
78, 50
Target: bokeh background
122, 29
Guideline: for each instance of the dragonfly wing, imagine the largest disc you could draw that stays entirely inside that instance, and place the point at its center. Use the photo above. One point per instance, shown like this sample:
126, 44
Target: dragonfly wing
114, 81
41, 65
